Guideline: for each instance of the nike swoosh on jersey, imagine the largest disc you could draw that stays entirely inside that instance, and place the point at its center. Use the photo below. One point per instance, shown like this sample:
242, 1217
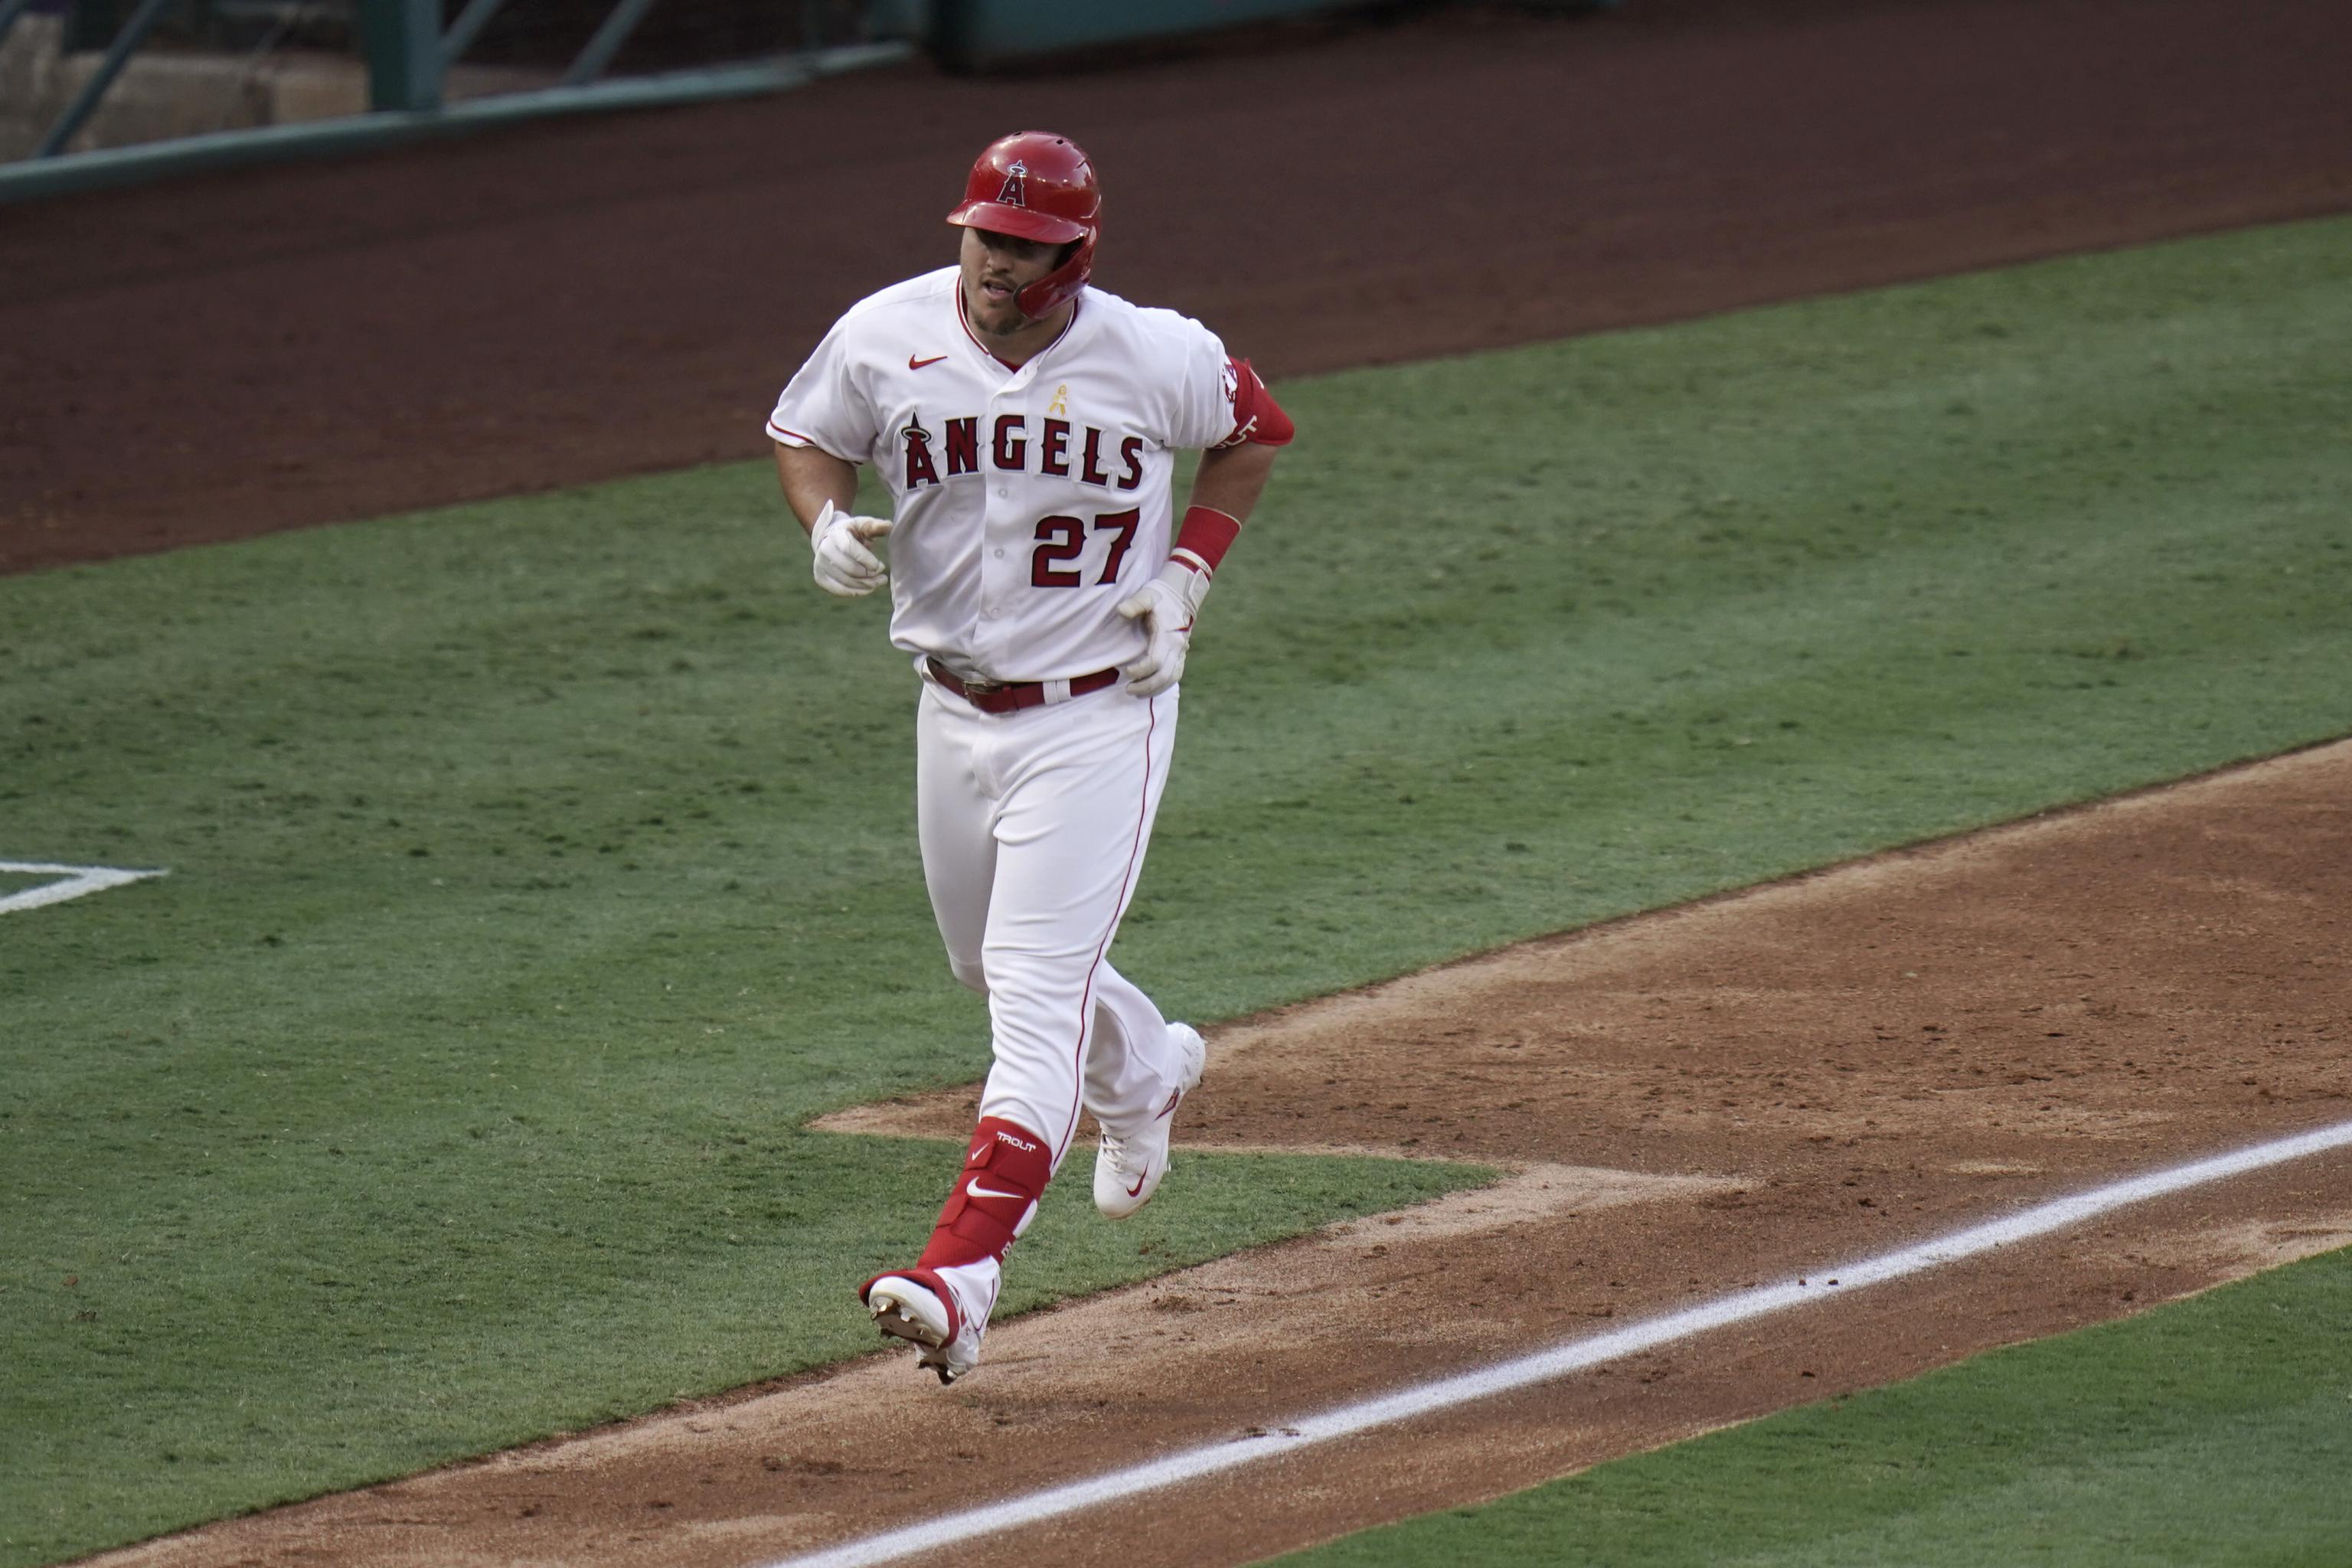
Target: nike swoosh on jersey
976, 1190
914, 363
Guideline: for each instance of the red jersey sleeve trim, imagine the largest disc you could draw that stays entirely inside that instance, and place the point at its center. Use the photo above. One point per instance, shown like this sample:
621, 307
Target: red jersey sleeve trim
792, 437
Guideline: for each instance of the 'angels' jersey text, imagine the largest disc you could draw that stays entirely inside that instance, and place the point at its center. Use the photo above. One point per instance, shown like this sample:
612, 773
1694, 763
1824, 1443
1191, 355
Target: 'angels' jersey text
1060, 449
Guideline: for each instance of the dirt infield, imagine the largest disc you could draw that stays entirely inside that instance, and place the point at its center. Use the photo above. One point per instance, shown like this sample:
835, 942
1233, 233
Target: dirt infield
1784, 1080
1689, 1102
571, 302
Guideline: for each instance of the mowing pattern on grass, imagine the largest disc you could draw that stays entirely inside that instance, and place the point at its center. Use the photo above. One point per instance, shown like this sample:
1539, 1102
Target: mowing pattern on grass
539, 868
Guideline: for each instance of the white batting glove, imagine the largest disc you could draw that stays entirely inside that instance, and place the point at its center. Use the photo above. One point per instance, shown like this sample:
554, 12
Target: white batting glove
1167, 606
844, 565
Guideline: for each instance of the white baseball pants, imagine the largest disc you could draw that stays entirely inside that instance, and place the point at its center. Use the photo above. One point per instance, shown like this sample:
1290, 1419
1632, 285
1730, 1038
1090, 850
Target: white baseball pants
1034, 825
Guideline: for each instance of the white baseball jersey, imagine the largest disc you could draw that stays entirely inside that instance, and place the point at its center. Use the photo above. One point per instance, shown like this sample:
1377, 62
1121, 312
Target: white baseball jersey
1029, 502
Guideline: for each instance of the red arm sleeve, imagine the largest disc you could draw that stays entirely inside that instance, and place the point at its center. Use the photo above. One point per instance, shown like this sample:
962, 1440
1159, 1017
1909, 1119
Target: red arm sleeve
1256, 416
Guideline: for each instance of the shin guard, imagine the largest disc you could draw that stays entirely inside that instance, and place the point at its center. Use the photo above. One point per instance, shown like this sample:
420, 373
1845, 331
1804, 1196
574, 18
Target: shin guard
1004, 1173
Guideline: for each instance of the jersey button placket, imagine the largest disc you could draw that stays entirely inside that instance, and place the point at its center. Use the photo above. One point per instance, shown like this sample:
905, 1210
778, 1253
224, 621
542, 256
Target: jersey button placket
998, 570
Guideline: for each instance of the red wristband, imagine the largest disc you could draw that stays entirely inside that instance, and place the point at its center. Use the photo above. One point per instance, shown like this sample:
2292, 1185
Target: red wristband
1206, 535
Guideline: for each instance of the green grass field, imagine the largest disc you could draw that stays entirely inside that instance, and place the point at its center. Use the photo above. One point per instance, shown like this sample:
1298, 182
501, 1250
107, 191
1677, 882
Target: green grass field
2217, 1430
539, 868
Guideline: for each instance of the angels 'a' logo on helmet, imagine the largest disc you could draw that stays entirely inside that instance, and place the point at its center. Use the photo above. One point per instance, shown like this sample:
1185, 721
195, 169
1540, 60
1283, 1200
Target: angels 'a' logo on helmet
1015, 192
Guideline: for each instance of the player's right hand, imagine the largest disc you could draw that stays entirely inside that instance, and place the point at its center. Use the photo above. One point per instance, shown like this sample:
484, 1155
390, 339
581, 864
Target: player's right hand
845, 567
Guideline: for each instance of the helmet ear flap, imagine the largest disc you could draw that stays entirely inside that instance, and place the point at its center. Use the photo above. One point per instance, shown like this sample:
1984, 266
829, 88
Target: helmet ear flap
1061, 285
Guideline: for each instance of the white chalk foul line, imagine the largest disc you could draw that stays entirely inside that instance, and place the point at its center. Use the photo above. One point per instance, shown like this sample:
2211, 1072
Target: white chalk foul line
78, 879
1542, 1366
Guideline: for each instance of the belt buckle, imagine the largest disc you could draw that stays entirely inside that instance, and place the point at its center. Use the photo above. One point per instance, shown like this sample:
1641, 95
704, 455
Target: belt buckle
969, 688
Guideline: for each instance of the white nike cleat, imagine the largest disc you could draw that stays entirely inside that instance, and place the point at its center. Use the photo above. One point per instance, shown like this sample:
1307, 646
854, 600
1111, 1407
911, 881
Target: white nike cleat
942, 1312
1128, 1169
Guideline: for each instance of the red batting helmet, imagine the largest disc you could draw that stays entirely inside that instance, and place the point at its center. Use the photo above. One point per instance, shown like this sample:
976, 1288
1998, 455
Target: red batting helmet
1034, 184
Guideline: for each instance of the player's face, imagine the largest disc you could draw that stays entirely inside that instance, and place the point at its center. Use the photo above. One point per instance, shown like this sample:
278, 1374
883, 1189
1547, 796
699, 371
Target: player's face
996, 267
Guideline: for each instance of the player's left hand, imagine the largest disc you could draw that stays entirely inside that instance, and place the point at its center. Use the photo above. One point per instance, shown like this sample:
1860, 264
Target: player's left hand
1167, 606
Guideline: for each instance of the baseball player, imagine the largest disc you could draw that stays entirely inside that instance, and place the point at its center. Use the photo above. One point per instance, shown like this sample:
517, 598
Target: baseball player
1026, 425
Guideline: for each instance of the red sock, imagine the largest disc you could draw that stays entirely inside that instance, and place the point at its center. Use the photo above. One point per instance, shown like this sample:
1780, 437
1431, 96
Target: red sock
1004, 1173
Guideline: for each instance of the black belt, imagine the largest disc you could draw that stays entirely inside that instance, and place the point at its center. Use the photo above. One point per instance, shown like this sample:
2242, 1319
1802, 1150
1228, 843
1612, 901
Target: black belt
1011, 696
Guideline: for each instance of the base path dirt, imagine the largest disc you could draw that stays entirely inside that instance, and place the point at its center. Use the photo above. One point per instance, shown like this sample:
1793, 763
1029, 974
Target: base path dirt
1693, 1102
575, 301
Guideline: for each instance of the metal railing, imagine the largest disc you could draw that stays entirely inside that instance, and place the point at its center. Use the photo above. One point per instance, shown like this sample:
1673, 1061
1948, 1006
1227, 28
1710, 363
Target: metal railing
408, 57
85, 102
